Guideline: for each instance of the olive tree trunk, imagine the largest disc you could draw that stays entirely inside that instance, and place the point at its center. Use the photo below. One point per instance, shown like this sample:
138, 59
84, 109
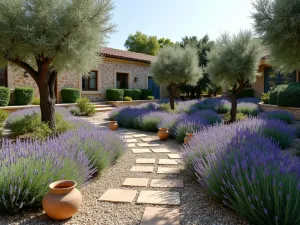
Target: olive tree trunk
171, 89
233, 109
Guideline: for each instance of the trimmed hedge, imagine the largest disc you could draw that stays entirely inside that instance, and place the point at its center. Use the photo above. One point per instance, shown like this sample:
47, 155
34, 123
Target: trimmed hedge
128, 93
115, 94
274, 93
70, 95
23, 96
4, 96
247, 93
289, 96
136, 94
145, 93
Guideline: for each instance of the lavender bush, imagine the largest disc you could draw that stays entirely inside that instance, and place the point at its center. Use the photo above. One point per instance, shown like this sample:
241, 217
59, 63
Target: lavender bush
248, 108
222, 106
282, 115
127, 116
248, 100
210, 116
150, 121
169, 121
28, 167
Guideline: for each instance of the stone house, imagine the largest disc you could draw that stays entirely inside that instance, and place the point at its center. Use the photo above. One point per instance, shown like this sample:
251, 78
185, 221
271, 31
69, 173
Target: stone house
119, 69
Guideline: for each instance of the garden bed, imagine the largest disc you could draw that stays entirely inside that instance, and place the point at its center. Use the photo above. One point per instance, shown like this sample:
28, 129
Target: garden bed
268, 108
129, 103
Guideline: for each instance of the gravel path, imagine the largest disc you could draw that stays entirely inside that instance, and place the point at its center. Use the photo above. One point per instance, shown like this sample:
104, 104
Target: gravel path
196, 208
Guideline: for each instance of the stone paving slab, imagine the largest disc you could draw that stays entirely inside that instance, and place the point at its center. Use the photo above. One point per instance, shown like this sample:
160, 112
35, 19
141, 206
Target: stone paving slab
139, 135
148, 139
141, 150
136, 182
145, 161
128, 136
131, 140
118, 195
167, 183
131, 145
168, 170
159, 198
143, 169
174, 156
167, 162
160, 150
160, 216
147, 145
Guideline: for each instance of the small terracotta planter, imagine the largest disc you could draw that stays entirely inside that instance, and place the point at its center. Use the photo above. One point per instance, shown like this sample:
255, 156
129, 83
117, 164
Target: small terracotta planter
188, 137
113, 125
63, 200
163, 133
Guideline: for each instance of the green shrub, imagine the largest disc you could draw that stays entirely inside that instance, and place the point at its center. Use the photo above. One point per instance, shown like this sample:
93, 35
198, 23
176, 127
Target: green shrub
274, 93
115, 94
239, 116
85, 107
289, 96
128, 99
4, 96
150, 97
145, 93
70, 95
3, 116
247, 93
265, 97
128, 92
23, 96
35, 101
136, 94
74, 110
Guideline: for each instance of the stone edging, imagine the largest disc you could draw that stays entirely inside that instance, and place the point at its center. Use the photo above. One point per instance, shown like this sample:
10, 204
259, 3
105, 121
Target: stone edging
268, 108
129, 103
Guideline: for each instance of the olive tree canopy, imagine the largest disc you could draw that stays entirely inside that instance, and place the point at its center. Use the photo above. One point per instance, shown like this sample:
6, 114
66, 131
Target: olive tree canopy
45, 37
176, 66
277, 22
234, 61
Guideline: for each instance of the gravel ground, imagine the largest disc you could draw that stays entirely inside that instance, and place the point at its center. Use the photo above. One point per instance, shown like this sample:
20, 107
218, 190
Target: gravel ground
196, 208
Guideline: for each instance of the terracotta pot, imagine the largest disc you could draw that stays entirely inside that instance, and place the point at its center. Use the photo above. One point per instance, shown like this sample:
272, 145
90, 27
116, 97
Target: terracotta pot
63, 200
163, 133
188, 137
113, 125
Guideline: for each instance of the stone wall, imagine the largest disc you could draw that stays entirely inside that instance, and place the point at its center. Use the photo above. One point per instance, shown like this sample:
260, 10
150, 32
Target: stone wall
268, 108
129, 103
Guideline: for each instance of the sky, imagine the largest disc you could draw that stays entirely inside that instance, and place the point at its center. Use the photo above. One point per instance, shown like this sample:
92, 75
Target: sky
175, 19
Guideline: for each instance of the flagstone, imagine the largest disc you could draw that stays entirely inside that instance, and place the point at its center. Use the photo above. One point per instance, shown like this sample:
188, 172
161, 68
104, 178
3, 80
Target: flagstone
131, 140
160, 216
147, 145
168, 170
145, 161
131, 145
159, 197
147, 139
167, 183
141, 150
167, 162
160, 150
174, 156
118, 195
128, 136
144, 169
139, 135
136, 182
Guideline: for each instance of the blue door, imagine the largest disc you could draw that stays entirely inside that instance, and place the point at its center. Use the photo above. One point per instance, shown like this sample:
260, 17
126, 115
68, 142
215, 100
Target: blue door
154, 87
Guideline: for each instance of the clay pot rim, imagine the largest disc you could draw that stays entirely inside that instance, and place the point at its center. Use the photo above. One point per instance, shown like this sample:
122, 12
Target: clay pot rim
189, 134
163, 128
53, 185
113, 121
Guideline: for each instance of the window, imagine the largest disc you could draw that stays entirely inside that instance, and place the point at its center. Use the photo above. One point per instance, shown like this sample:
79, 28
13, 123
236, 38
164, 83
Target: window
272, 78
3, 77
90, 83
122, 81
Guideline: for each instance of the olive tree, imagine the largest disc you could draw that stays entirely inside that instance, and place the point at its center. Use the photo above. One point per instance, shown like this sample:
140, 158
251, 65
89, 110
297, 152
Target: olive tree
234, 61
277, 22
46, 37
175, 66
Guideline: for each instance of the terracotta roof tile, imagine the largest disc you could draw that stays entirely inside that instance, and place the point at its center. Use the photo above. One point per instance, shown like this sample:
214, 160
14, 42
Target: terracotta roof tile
127, 55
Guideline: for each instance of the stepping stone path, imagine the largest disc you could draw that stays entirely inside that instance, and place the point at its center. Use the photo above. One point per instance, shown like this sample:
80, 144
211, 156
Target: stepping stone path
148, 194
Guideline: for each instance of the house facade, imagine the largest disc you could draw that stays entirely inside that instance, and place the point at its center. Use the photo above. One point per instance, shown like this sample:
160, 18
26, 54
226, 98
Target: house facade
119, 69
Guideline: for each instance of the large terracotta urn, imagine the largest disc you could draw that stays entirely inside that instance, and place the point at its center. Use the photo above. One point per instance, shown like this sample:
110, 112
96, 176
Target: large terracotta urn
113, 125
63, 200
163, 133
188, 137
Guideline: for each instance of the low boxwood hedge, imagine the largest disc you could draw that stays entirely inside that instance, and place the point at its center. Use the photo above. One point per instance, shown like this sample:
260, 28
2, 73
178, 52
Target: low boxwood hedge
115, 94
23, 96
136, 94
4, 96
128, 93
70, 95
145, 93
289, 96
274, 93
